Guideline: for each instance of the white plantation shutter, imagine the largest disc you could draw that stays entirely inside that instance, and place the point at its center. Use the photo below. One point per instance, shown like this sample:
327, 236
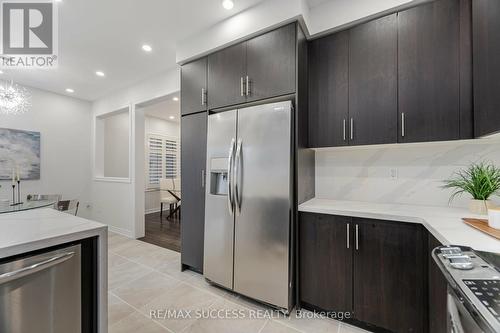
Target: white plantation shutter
154, 160
171, 157
162, 158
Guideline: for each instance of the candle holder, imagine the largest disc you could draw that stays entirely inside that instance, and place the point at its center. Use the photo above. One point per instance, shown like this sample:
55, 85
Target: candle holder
13, 195
19, 202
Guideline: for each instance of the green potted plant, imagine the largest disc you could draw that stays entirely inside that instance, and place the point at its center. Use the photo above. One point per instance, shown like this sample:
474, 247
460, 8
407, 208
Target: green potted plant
480, 180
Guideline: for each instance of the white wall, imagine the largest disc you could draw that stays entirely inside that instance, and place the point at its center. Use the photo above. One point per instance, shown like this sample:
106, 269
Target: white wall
364, 173
117, 204
328, 15
155, 125
116, 145
265, 15
337, 13
64, 126
161, 126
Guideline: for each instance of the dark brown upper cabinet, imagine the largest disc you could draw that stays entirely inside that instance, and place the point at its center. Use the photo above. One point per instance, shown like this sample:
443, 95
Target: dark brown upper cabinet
373, 82
226, 74
389, 276
259, 68
194, 86
271, 64
328, 61
486, 50
326, 261
408, 78
431, 70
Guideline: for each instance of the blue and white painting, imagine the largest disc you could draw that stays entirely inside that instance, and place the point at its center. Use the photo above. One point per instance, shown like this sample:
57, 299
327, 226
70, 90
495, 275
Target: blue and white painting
19, 151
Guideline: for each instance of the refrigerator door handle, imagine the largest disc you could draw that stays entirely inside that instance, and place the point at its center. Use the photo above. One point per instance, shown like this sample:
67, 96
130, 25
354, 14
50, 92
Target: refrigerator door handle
230, 164
237, 173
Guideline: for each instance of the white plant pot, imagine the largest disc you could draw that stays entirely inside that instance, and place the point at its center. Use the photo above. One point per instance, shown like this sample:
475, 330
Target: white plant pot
494, 217
479, 207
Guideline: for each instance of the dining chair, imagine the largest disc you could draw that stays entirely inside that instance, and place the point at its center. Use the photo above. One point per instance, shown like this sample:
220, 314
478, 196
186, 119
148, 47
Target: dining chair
166, 197
177, 184
68, 206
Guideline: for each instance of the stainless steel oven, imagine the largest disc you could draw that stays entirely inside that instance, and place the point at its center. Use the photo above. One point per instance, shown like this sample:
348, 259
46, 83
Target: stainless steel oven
42, 293
473, 303
460, 319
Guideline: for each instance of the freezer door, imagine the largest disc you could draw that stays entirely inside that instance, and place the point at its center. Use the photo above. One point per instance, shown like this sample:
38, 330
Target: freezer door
263, 200
219, 207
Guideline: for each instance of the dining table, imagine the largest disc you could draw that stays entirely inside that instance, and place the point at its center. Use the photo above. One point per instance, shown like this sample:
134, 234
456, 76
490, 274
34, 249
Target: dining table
176, 193
7, 207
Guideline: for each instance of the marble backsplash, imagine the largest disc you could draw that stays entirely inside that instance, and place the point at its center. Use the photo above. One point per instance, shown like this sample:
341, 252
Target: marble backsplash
367, 173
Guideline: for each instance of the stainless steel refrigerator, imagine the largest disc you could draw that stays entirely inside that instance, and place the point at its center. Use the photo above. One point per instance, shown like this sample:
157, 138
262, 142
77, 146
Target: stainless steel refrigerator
248, 210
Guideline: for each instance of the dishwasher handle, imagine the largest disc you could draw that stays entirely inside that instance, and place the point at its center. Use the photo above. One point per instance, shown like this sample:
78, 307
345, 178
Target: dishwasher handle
34, 268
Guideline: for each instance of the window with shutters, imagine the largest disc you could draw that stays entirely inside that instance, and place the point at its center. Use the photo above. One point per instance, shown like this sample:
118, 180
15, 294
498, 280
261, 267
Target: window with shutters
162, 158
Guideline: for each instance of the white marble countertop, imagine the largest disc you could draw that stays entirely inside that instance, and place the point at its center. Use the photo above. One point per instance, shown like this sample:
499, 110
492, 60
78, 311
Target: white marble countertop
445, 223
30, 230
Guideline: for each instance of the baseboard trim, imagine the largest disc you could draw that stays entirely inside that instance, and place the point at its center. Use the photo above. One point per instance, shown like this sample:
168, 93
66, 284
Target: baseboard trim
154, 210
157, 210
120, 231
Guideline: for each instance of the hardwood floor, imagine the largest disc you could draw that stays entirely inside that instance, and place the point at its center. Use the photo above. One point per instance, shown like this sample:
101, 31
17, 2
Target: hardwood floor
166, 235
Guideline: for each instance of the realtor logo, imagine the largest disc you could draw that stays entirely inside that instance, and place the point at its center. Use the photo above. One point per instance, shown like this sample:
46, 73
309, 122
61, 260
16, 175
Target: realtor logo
29, 34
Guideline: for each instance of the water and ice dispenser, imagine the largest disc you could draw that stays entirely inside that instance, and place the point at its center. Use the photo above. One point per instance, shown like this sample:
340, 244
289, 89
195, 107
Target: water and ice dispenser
218, 176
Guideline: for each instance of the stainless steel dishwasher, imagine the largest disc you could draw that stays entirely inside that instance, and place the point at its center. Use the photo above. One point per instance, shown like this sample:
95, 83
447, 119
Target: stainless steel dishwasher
42, 293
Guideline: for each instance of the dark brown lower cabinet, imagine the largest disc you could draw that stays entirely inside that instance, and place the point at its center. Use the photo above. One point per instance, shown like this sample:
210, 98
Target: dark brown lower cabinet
437, 292
326, 262
389, 281
374, 269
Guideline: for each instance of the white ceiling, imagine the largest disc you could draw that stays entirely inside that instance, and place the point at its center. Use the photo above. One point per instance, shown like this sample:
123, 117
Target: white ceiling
164, 108
314, 3
107, 35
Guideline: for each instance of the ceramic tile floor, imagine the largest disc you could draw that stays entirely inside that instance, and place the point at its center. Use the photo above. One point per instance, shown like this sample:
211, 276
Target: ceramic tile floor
145, 278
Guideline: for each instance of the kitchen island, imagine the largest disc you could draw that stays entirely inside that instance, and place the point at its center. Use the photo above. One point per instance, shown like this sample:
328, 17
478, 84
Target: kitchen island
31, 232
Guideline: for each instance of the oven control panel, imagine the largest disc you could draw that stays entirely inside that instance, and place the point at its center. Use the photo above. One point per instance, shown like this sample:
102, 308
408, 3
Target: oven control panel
488, 292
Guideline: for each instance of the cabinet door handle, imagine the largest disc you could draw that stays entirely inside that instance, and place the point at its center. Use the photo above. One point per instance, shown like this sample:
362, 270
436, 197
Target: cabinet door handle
203, 100
352, 129
202, 178
344, 135
403, 125
357, 237
348, 226
248, 86
241, 87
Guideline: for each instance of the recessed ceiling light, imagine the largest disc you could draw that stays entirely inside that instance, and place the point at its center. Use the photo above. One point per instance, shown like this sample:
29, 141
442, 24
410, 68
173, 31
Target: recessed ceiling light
1, 72
228, 4
175, 99
171, 117
69, 90
147, 48
99, 73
